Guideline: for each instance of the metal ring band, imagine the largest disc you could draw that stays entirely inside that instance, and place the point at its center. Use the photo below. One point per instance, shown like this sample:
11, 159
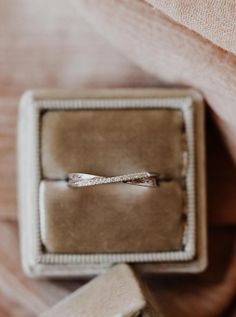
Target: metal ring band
146, 179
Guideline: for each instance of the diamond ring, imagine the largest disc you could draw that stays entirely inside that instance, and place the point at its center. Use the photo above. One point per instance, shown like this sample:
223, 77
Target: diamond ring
146, 179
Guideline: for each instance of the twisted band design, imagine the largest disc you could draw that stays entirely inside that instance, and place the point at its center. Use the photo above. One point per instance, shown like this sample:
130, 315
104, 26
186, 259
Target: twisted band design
146, 179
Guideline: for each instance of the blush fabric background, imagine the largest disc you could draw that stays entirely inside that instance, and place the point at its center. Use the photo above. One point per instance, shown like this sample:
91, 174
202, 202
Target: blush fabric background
50, 44
214, 20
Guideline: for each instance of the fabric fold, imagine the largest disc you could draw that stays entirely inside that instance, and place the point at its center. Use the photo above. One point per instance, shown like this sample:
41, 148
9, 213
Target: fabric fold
171, 52
214, 20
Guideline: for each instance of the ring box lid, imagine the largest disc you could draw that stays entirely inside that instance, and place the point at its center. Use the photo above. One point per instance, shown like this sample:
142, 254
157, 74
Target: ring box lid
115, 293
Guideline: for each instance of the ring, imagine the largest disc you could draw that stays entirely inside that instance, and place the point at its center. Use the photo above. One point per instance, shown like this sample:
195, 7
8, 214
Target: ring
146, 179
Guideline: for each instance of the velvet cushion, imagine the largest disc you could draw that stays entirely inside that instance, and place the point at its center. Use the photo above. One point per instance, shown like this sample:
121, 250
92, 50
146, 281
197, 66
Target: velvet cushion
112, 218
117, 217
112, 142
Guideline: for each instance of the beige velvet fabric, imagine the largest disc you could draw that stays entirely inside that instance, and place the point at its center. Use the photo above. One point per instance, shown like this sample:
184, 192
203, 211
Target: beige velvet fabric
112, 142
118, 293
117, 217
215, 20
171, 52
112, 218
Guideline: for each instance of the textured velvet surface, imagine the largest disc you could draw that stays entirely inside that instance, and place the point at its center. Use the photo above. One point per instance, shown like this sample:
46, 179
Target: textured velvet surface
118, 293
112, 218
112, 142
117, 217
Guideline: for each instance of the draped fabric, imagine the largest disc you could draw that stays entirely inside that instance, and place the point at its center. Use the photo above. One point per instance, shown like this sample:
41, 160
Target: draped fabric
171, 52
213, 19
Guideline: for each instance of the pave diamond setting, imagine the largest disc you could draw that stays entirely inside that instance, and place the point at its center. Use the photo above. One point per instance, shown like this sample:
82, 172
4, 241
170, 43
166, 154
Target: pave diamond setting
146, 179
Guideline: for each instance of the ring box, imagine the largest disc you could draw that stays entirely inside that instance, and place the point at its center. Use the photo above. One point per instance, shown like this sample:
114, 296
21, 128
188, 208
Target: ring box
83, 231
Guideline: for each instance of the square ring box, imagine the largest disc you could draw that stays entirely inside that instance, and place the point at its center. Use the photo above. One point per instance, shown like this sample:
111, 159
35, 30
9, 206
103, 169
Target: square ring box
68, 231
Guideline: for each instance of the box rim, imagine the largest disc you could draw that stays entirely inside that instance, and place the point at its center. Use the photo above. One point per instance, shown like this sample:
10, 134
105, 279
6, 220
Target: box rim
33, 258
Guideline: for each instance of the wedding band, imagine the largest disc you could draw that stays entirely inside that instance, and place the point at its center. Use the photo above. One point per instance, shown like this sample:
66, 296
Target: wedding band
146, 179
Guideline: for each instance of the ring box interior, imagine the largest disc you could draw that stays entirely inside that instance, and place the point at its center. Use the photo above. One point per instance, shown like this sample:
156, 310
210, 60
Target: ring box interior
82, 231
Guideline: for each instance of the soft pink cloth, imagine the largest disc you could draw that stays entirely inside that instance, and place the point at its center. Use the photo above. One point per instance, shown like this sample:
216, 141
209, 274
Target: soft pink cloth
215, 20
171, 52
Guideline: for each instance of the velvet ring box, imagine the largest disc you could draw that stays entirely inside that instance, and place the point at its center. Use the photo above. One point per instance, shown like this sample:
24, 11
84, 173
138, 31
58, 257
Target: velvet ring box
82, 231
117, 293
